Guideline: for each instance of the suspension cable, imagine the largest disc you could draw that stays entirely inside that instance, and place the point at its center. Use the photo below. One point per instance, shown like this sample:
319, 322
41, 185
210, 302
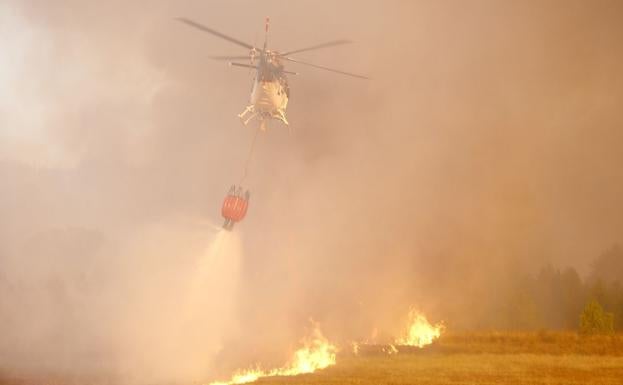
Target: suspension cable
246, 165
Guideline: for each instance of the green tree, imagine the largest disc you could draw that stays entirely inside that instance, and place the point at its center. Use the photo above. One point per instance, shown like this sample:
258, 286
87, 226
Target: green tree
594, 320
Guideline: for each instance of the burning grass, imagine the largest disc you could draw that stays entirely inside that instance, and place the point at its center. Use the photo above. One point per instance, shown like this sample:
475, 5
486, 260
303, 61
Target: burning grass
419, 331
318, 353
315, 353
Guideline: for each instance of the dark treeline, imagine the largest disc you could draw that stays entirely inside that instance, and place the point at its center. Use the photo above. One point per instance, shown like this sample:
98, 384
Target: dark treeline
555, 298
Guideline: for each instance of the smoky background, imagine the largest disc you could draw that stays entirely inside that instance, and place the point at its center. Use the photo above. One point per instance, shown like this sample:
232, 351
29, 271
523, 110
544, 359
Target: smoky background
487, 143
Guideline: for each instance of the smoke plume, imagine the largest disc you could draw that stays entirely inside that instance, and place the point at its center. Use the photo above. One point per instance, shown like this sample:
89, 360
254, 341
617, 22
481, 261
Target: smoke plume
487, 142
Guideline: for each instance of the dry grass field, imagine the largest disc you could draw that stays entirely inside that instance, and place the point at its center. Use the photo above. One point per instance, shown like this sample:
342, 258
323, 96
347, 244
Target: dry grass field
481, 358
467, 369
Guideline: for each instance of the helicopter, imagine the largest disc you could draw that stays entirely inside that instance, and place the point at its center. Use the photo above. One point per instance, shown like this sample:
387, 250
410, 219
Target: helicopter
270, 92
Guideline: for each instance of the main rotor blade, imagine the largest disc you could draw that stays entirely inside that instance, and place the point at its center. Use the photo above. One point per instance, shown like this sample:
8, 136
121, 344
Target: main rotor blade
323, 68
318, 46
242, 65
229, 57
213, 32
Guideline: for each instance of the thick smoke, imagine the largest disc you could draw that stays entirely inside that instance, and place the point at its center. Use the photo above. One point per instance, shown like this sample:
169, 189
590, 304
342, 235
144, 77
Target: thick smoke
487, 143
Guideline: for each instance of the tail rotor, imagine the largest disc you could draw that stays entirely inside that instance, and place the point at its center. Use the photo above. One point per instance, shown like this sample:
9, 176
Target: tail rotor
266, 27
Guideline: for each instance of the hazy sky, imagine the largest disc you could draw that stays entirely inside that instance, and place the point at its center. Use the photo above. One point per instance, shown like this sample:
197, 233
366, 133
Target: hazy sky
489, 139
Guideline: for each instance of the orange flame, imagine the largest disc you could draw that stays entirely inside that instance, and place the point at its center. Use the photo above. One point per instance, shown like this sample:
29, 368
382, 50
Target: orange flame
420, 332
317, 353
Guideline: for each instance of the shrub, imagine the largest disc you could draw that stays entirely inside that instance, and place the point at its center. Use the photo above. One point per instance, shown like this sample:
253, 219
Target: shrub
594, 320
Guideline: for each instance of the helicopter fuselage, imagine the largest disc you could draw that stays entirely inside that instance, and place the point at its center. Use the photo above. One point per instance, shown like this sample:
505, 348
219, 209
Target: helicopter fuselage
269, 95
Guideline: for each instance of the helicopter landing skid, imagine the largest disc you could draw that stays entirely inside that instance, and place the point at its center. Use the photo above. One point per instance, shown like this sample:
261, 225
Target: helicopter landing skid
250, 113
249, 109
